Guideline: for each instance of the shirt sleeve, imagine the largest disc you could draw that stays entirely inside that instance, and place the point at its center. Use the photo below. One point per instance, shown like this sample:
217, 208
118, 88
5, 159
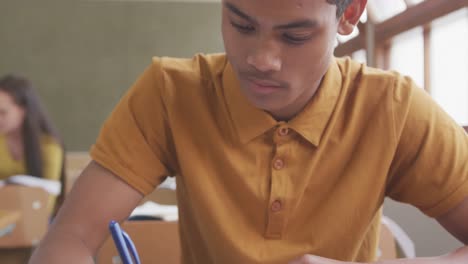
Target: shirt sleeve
134, 141
430, 167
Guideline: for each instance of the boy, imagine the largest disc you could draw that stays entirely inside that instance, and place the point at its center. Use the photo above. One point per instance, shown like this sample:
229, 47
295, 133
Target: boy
280, 150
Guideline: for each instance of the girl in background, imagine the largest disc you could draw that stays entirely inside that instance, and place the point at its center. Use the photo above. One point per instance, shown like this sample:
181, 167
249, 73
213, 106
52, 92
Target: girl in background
28, 142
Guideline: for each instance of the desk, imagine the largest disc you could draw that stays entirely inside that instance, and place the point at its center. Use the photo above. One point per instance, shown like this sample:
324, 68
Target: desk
33, 219
8, 219
156, 242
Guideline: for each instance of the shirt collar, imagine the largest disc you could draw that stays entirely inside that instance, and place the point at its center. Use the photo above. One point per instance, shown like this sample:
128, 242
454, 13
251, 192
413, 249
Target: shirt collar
250, 122
313, 119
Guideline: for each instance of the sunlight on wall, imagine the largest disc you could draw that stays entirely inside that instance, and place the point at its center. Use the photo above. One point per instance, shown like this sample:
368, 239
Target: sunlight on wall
450, 64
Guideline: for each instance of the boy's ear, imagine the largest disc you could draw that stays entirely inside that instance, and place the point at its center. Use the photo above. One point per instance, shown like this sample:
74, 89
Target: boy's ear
351, 16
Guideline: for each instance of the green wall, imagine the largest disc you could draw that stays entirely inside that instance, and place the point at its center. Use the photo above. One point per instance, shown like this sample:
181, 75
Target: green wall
83, 55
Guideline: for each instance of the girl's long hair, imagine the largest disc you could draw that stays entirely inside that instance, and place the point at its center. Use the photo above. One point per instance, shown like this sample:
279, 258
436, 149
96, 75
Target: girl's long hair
36, 124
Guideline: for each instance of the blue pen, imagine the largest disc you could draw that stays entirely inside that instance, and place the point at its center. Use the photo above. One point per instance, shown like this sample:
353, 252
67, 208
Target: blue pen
124, 244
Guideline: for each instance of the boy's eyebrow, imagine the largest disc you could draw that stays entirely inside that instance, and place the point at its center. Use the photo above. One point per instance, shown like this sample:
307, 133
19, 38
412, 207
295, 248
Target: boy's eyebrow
304, 23
237, 11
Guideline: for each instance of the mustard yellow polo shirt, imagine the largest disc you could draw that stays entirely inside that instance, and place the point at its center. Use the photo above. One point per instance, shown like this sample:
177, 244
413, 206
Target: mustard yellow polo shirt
254, 190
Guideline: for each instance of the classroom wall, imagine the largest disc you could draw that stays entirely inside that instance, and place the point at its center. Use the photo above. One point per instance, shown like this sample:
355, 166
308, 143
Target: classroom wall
83, 55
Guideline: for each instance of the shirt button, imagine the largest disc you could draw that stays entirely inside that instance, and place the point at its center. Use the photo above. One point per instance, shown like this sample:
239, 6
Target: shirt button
278, 164
283, 131
276, 206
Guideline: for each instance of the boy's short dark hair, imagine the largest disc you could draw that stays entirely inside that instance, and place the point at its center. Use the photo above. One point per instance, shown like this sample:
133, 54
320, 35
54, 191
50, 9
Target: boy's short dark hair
341, 6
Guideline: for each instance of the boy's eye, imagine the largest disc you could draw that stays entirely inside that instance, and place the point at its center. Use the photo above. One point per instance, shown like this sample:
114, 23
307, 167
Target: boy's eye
296, 39
243, 28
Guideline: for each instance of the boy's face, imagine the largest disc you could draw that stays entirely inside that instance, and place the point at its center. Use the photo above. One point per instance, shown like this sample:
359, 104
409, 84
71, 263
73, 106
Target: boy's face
279, 49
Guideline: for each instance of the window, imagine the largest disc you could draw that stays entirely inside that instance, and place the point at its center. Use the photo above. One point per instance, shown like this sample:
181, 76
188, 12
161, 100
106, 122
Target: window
449, 72
381, 10
407, 55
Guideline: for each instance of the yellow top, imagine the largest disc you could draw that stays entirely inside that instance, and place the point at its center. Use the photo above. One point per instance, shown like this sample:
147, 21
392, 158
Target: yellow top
254, 190
52, 156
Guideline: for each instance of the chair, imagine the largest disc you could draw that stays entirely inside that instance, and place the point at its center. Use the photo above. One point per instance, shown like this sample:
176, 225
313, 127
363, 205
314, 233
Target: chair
387, 244
75, 162
164, 194
394, 241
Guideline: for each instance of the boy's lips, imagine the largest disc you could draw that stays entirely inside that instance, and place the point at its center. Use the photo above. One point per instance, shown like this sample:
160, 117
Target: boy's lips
263, 86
